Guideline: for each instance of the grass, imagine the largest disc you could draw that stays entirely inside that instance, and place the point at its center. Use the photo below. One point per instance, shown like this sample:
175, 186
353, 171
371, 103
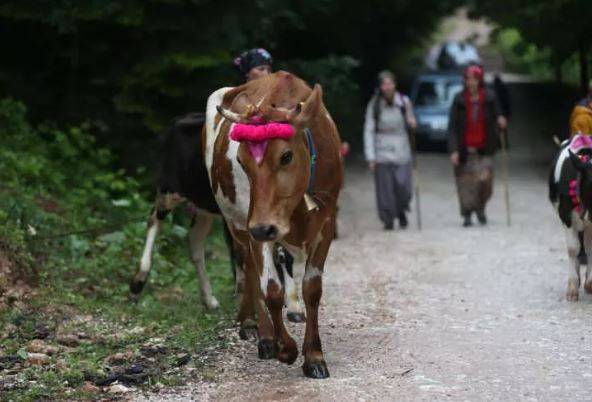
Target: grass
72, 290
97, 306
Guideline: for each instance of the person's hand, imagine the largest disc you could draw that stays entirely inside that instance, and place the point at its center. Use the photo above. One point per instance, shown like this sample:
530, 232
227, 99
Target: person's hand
412, 122
372, 166
502, 122
344, 150
455, 158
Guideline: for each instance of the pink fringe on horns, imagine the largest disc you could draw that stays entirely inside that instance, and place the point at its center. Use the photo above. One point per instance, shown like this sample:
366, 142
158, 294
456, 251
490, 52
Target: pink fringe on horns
263, 132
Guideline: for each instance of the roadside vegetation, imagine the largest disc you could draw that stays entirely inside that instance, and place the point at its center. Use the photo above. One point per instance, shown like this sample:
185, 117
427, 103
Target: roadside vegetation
71, 234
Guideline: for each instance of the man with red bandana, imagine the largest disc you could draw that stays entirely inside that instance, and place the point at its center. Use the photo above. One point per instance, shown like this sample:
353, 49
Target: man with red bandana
475, 118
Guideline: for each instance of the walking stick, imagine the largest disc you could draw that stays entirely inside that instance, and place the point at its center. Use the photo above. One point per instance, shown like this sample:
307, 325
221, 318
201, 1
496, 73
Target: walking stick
416, 179
505, 174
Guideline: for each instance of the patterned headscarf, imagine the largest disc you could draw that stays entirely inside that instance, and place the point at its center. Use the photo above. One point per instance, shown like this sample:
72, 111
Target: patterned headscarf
251, 59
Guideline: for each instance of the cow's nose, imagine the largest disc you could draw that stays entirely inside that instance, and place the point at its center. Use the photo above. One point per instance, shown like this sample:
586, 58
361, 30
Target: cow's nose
264, 232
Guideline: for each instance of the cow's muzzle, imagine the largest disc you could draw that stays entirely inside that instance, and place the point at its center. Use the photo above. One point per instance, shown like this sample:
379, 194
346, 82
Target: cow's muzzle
264, 232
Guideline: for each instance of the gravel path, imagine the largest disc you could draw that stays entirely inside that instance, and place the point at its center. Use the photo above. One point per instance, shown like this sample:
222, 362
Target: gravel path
445, 313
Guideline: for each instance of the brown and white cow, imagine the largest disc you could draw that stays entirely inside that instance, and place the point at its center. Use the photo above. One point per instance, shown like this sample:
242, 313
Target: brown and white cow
287, 195
183, 178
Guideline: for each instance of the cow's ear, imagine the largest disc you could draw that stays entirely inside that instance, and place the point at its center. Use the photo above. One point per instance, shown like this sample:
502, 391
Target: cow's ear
307, 110
578, 163
233, 93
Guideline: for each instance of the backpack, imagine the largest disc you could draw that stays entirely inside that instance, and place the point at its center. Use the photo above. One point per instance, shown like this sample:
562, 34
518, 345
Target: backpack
377, 110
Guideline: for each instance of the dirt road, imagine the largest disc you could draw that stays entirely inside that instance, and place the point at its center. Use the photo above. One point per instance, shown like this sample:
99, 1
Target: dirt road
445, 313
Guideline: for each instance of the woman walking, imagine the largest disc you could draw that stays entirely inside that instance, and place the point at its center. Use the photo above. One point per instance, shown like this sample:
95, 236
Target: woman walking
475, 117
389, 116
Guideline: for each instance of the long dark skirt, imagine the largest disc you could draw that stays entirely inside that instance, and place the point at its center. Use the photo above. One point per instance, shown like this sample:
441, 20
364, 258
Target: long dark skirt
393, 190
474, 183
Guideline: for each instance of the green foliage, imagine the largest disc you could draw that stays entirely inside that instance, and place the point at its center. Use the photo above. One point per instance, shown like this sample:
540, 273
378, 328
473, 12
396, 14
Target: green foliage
134, 65
341, 94
522, 56
558, 28
69, 217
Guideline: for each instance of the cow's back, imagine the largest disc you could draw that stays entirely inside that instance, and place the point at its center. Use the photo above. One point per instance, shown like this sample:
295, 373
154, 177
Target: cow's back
183, 169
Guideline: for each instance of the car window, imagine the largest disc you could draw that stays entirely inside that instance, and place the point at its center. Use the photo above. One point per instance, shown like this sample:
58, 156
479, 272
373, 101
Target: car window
437, 93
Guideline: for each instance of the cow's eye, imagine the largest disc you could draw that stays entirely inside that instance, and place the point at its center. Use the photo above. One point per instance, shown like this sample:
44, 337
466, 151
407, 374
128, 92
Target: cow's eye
286, 158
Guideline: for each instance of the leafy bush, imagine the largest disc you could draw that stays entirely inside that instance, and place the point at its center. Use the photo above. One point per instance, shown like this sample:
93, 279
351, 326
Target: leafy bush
522, 56
341, 92
68, 215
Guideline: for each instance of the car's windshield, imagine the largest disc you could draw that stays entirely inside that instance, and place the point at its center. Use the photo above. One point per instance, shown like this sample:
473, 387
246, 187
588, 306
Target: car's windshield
437, 93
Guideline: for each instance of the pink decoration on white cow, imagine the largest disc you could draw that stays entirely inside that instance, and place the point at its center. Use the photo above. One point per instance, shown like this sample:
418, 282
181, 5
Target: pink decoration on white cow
580, 142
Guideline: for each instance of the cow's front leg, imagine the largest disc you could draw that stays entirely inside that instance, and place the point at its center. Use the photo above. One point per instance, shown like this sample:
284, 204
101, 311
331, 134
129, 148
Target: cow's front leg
285, 264
200, 227
258, 268
246, 286
573, 272
274, 298
294, 306
312, 289
164, 204
588, 250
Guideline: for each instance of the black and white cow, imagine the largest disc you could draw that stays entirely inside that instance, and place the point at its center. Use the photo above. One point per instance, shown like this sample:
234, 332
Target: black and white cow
570, 191
183, 178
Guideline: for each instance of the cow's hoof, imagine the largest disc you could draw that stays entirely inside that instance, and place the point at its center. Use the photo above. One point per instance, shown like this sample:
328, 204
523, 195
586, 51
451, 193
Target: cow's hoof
248, 329
588, 287
296, 317
317, 370
248, 333
267, 349
573, 286
572, 296
136, 286
288, 353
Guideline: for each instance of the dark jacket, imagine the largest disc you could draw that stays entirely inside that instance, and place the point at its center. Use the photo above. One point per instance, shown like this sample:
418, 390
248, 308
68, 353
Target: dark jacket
457, 122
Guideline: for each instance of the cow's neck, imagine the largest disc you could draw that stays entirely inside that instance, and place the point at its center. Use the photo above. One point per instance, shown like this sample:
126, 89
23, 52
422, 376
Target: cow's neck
313, 158
585, 198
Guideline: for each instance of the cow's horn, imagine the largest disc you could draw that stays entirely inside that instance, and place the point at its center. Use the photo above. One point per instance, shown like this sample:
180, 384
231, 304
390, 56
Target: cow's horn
228, 115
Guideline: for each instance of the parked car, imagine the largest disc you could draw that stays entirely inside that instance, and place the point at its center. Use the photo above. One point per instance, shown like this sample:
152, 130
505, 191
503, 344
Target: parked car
432, 95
